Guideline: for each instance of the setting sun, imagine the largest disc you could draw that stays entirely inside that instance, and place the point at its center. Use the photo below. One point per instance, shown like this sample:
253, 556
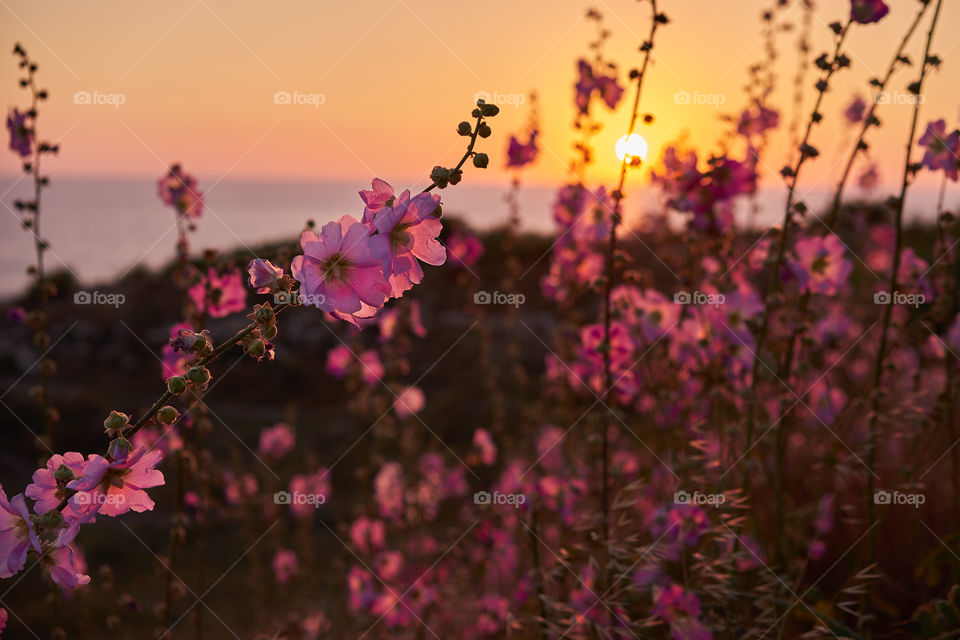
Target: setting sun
632, 146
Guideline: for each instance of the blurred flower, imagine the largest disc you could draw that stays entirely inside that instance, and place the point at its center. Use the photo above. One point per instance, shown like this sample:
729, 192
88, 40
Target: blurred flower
410, 401
520, 154
388, 488
338, 273
21, 136
756, 120
175, 362
308, 492
856, 111
464, 249
867, 11
219, 295
367, 535
483, 442
941, 149
179, 190
591, 81
285, 565
820, 266
870, 177
276, 441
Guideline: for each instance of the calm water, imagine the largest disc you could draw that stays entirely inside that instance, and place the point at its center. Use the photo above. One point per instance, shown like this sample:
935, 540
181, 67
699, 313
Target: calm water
100, 229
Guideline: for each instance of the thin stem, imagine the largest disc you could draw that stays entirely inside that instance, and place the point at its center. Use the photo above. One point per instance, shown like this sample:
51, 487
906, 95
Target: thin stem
888, 309
869, 120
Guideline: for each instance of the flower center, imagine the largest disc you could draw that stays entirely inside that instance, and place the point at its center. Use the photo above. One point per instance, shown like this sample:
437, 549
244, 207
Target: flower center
335, 267
400, 238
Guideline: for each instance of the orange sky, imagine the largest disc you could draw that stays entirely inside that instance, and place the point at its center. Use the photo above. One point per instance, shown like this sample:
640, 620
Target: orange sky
198, 79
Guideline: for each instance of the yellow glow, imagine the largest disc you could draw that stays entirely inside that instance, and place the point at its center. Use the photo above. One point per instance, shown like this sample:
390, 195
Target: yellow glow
634, 147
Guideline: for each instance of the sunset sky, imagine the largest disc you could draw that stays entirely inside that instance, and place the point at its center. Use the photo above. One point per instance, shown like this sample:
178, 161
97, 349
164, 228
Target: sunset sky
198, 78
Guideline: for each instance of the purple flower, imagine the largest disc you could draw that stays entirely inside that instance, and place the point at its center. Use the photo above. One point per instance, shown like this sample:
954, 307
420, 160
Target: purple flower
867, 11
856, 111
520, 154
21, 136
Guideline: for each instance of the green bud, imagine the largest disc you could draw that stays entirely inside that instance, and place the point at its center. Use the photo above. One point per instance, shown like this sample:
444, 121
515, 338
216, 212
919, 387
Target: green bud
53, 519
484, 130
198, 375
167, 415
176, 385
270, 332
488, 110
480, 161
116, 421
64, 474
119, 449
263, 315
256, 348
464, 128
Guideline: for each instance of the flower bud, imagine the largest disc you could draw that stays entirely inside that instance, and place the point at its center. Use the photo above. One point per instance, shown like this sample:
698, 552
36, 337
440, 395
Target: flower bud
64, 474
176, 385
464, 128
119, 449
256, 348
116, 421
270, 332
198, 375
167, 415
480, 160
53, 519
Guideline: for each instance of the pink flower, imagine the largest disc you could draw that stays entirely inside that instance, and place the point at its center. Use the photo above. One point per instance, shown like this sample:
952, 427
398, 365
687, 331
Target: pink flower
590, 81
276, 441
820, 266
381, 195
285, 565
410, 401
179, 190
406, 232
371, 369
17, 535
3, 618
483, 442
388, 489
224, 292
869, 178
308, 492
856, 111
520, 154
367, 535
338, 361
117, 486
264, 275
756, 120
21, 136
66, 566
464, 249
47, 490
175, 362
338, 273
942, 150
867, 11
